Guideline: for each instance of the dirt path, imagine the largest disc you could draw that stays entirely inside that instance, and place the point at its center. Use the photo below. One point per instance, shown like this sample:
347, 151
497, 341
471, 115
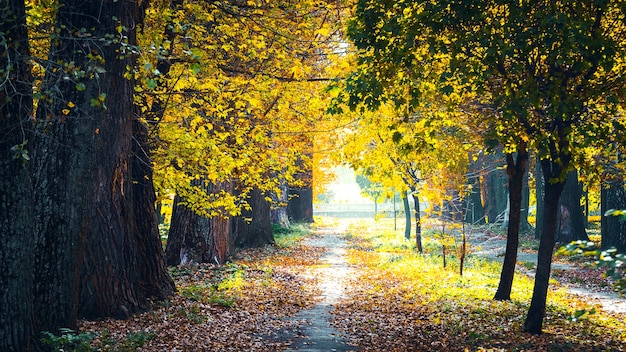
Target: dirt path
332, 276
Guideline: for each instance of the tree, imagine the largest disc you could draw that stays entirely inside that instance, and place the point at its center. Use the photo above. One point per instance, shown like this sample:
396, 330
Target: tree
16, 216
516, 170
83, 159
546, 75
373, 190
253, 228
571, 217
613, 230
612, 197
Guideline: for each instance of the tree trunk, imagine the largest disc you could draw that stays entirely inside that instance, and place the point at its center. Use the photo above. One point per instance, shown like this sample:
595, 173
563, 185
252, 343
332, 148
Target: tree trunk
279, 214
552, 170
84, 167
300, 206
613, 196
16, 194
540, 186
253, 228
418, 221
65, 166
407, 215
155, 280
188, 239
571, 225
195, 238
516, 171
524, 225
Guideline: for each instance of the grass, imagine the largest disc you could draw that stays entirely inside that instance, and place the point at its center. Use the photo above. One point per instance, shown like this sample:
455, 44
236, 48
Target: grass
458, 310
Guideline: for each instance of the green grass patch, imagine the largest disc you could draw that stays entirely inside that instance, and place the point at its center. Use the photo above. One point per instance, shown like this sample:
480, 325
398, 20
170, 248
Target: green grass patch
288, 237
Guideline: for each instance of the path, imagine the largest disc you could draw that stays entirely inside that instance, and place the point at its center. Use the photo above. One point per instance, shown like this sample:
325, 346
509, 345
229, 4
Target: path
332, 276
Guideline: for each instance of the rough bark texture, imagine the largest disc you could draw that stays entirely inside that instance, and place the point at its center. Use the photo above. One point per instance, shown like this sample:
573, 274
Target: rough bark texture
155, 280
418, 222
253, 228
83, 159
300, 207
187, 241
111, 276
64, 167
407, 216
540, 186
199, 239
571, 225
516, 170
279, 214
16, 207
524, 225
536, 312
613, 196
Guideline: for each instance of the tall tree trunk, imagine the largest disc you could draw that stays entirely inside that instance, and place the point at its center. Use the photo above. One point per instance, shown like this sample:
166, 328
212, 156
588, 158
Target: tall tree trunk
407, 215
64, 166
613, 231
516, 170
571, 226
300, 207
524, 225
188, 239
253, 227
155, 280
16, 194
279, 214
418, 221
552, 170
84, 166
540, 186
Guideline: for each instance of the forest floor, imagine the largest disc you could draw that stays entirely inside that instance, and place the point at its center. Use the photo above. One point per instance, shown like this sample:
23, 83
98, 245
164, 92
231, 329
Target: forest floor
357, 286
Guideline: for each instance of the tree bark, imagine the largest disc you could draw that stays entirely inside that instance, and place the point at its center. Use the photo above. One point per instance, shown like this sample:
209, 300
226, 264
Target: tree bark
613, 231
279, 214
407, 215
516, 170
188, 239
571, 226
16, 193
253, 228
300, 206
540, 186
155, 280
418, 221
552, 170
524, 225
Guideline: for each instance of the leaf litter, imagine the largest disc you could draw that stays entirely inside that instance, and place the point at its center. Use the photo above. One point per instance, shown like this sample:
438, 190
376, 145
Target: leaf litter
396, 300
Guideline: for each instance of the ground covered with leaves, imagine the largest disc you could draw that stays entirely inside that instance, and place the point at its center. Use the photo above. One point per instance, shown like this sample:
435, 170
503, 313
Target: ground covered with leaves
397, 300
404, 301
